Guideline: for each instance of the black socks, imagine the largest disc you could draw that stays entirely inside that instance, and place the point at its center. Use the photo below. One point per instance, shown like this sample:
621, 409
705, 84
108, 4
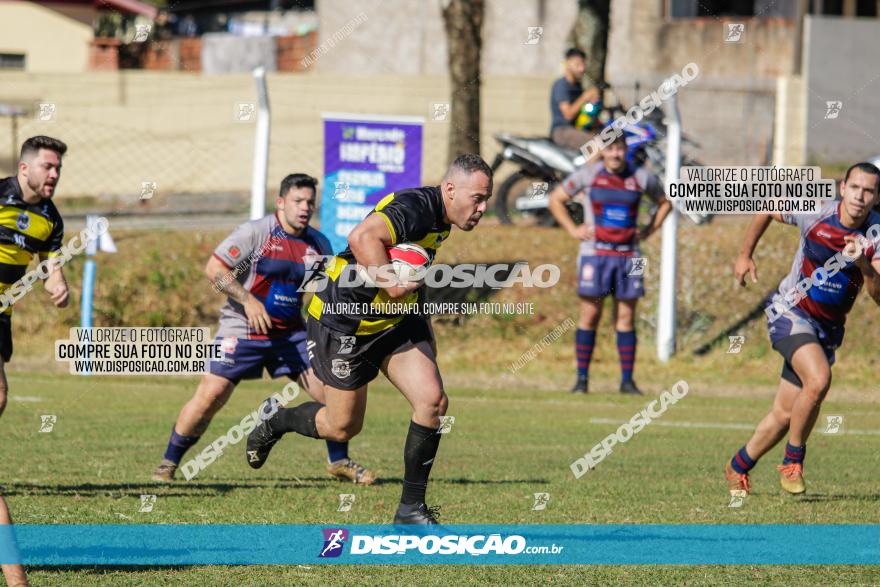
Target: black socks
300, 419
418, 457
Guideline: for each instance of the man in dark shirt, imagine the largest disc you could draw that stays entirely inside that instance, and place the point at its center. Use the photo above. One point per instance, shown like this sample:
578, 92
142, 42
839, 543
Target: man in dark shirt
567, 97
349, 349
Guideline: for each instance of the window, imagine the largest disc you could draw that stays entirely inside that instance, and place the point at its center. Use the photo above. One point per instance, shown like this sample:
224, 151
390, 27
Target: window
767, 8
11, 60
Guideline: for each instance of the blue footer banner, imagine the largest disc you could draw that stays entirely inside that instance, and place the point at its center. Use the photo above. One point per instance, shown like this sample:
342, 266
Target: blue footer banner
185, 544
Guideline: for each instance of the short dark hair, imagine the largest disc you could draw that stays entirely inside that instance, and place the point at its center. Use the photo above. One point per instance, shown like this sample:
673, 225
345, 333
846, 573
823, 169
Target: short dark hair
864, 167
33, 145
575, 52
298, 180
471, 163
619, 138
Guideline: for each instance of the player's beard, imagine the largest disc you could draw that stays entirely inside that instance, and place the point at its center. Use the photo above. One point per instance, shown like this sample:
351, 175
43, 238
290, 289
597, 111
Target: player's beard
39, 188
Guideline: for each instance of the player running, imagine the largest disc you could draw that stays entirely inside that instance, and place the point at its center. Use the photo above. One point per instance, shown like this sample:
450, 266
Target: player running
261, 326
349, 350
30, 225
610, 262
807, 334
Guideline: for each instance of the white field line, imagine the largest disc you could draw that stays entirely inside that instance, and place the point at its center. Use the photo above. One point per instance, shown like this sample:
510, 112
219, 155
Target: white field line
722, 425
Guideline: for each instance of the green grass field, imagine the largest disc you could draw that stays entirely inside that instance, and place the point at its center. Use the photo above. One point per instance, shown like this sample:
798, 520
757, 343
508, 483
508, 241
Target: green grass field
515, 433
505, 445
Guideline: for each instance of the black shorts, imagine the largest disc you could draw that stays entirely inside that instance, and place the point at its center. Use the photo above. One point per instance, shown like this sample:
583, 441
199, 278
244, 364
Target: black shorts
348, 361
5, 337
788, 345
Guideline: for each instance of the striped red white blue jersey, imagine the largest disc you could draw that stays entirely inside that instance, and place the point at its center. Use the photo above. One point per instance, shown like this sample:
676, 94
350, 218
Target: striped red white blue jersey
822, 238
611, 205
270, 264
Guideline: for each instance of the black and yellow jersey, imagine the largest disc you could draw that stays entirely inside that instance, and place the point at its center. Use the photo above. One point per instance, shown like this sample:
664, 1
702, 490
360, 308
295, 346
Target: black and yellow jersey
413, 216
25, 230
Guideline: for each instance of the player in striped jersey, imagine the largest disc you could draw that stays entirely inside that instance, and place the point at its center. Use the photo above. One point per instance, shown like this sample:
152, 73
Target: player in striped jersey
609, 261
261, 325
837, 255
30, 225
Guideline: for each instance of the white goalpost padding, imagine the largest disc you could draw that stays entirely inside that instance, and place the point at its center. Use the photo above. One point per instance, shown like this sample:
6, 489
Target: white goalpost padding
261, 147
668, 260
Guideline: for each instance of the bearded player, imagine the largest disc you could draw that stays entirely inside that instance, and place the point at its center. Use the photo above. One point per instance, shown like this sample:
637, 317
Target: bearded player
260, 267
30, 225
808, 331
349, 350
610, 191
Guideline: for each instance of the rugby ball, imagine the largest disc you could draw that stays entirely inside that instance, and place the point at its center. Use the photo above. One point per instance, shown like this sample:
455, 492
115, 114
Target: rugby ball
409, 260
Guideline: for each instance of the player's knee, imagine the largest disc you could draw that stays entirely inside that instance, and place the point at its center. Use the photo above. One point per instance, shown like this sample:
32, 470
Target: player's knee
432, 405
443, 405
816, 385
344, 429
346, 432
3, 394
782, 416
210, 398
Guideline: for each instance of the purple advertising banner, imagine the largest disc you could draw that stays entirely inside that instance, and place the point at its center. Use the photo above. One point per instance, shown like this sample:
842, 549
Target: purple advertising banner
365, 158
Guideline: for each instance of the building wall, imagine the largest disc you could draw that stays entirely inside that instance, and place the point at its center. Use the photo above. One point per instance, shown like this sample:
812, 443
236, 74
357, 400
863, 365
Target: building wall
180, 129
729, 108
408, 37
840, 65
52, 41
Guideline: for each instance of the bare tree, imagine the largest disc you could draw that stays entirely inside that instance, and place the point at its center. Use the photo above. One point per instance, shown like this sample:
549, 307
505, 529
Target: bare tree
464, 21
590, 33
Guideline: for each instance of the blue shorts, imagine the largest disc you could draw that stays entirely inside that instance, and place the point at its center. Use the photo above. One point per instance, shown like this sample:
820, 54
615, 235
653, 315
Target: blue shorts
245, 359
602, 275
794, 329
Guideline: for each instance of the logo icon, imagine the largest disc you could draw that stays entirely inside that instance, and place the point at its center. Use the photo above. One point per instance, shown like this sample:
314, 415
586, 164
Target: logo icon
539, 189
341, 189
736, 344
340, 368
541, 500
637, 266
832, 109
23, 221
47, 422
446, 423
228, 344
47, 112
734, 32
148, 189
737, 498
346, 500
244, 111
346, 345
142, 31
439, 111
833, 424
535, 34
147, 503
252, 456
334, 540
